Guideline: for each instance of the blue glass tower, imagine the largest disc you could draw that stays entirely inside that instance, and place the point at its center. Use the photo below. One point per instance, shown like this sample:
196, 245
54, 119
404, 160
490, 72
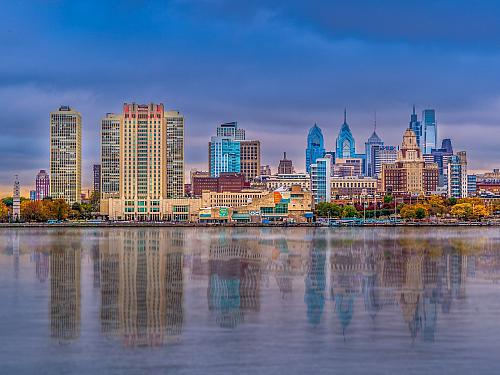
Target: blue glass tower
224, 155
315, 149
429, 127
373, 142
345, 142
416, 126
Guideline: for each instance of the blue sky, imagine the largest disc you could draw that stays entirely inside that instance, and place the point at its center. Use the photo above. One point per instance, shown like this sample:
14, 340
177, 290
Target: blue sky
276, 67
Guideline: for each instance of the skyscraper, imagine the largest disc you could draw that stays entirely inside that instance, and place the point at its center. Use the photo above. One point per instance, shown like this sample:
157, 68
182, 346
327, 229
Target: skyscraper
250, 159
230, 129
96, 173
285, 166
315, 149
374, 142
321, 180
429, 127
42, 185
416, 126
152, 151
224, 155
66, 154
456, 175
345, 147
110, 155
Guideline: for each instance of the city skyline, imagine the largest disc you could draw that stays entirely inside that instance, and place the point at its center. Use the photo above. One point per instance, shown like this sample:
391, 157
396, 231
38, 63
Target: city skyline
344, 63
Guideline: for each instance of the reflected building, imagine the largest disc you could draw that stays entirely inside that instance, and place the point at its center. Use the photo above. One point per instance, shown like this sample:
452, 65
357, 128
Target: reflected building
42, 266
15, 255
65, 298
315, 286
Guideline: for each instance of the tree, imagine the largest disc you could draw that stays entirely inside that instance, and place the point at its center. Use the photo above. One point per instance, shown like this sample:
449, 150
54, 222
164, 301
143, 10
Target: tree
479, 211
420, 213
452, 201
388, 198
9, 201
325, 209
76, 207
33, 211
3, 211
349, 211
95, 197
436, 204
462, 210
58, 209
407, 211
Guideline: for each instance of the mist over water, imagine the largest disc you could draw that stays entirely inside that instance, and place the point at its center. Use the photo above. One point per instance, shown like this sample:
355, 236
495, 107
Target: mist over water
249, 300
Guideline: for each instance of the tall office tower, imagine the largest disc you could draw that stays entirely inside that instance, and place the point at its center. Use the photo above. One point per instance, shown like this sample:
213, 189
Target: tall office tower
16, 205
373, 142
265, 170
230, 129
416, 126
285, 166
440, 157
42, 185
32, 195
429, 127
321, 180
96, 173
224, 155
152, 159
65, 305
345, 142
250, 159
456, 175
383, 155
315, 149
110, 155
174, 155
66, 154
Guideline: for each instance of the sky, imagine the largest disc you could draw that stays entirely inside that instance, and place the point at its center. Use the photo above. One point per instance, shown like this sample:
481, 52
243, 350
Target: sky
275, 67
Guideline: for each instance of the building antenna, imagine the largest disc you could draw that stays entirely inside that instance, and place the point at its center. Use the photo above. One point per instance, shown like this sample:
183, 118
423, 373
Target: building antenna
413, 108
375, 123
345, 122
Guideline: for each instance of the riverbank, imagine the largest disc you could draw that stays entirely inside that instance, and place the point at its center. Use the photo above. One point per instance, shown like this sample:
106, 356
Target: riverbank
250, 225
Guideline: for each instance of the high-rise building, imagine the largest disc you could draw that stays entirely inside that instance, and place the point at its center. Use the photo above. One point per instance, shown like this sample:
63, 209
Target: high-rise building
152, 151
383, 155
96, 173
110, 155
32, 195
42, 184
429, 127
250, 159
345, 147
456, 175
321, 180
315, 149
230, 129
285, 166
416, 126
446, 145
440, 157
66, 154
224, 155
471, 184
16, 205
265, 170
409, 174
373, 142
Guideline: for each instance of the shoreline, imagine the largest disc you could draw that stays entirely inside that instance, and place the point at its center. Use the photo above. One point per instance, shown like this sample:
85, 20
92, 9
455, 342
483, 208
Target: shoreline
243, 225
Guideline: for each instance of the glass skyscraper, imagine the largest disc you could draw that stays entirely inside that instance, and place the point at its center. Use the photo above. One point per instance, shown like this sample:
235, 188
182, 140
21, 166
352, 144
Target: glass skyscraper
416, 126
429, 127
315, 149
345, 142
321, 180
224, 155
374, 142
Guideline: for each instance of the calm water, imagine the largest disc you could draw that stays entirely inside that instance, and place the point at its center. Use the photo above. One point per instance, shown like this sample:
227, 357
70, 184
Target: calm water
249, 301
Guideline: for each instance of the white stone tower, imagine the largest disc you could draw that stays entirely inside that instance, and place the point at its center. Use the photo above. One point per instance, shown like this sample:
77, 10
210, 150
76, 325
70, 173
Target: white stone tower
16, 207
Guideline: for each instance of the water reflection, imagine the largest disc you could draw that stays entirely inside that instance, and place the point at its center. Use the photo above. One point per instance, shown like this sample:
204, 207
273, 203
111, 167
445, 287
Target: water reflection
140, 274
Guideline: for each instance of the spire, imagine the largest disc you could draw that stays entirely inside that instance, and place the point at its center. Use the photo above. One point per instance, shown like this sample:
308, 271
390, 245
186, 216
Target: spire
375, 123
413, 108
345, 122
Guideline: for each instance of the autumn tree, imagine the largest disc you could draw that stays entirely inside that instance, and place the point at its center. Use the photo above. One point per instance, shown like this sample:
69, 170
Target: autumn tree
33, 211
462, 210
407, 211
4, 213
479, 211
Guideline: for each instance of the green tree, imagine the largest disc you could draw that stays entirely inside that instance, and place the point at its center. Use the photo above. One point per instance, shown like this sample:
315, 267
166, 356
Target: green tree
420, 213
388, 198
452, 201
325, 209
76, 207
349, 211
9, 201
95, 197
59, 209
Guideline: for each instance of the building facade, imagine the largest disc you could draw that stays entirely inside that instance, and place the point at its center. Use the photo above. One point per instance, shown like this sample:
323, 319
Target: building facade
110, 155
409, 174
42, 185
250, 159
66, 154
345, 147
173, 151
227, 181
285, 166
353, 186
286, 181
429, 127
315, 148
383, 155
374, 142
16, 200
321, 180
456, 175
345, 167
224, 155
96, 174
416, 126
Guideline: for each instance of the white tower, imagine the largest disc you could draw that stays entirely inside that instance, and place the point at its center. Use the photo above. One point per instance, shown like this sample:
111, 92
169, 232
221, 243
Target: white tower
16, 211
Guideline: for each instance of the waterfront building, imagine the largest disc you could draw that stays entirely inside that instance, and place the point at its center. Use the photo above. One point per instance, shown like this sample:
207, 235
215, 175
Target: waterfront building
285, 166
250, 159
285, 181
416, 126
456, 175
173, 149
96, 173
429, 127
409, 173
440, 156
110, 155
320, 180
16, 204
374, 142
471, 184
66, 154
32, 195
315, 148
353, 186
224, 155
345, 147
42, 185
230, 199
